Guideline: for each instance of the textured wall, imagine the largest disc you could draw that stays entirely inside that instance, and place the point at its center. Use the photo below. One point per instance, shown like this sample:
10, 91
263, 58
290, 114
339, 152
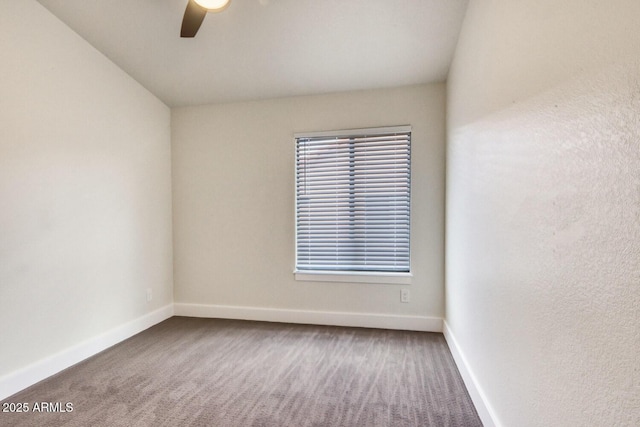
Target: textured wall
543, 209
233, 180
85, 190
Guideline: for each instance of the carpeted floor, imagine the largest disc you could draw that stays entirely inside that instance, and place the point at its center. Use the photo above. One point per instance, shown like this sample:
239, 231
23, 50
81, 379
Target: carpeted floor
212, 372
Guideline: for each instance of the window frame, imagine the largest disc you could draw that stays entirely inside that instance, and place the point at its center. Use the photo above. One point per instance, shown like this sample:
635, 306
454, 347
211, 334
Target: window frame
350, 276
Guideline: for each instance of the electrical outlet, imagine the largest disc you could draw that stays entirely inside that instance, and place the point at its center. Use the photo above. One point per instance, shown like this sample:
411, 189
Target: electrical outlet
149, 294
404, 295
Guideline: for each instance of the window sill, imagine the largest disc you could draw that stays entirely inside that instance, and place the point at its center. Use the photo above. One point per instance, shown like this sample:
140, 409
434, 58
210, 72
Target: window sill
355, 277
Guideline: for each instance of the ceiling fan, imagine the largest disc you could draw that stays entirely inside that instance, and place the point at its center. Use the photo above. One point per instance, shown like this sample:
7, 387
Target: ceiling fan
195, 12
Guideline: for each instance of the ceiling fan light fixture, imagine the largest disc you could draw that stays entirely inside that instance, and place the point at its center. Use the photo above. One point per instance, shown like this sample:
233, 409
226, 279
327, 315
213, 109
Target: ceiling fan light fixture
195, 12
213, 5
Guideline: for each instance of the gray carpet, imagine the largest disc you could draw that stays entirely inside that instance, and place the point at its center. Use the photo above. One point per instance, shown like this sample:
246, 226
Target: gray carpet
212, 372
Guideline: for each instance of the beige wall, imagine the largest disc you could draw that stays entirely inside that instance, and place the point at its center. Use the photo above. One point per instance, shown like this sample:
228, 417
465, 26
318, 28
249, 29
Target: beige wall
85, 191
233, 183
543, 209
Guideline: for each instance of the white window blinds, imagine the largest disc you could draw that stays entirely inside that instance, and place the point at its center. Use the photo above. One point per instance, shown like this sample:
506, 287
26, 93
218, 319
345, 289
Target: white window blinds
353, 200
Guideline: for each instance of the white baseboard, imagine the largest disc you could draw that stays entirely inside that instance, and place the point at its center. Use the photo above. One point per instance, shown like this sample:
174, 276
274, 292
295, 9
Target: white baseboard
363, 320
38, 371
479, 398
29, 375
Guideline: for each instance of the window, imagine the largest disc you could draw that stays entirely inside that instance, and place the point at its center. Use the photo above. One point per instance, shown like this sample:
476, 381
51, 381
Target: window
353, 201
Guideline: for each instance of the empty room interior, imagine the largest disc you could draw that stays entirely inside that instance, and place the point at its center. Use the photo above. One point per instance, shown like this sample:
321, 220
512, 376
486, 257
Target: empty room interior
177, 247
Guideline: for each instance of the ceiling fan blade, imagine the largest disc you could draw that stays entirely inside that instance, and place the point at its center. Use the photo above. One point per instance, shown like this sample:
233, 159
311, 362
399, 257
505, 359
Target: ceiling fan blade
193, 17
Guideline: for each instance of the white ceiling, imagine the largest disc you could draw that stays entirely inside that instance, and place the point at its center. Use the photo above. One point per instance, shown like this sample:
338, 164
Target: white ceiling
270, 48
